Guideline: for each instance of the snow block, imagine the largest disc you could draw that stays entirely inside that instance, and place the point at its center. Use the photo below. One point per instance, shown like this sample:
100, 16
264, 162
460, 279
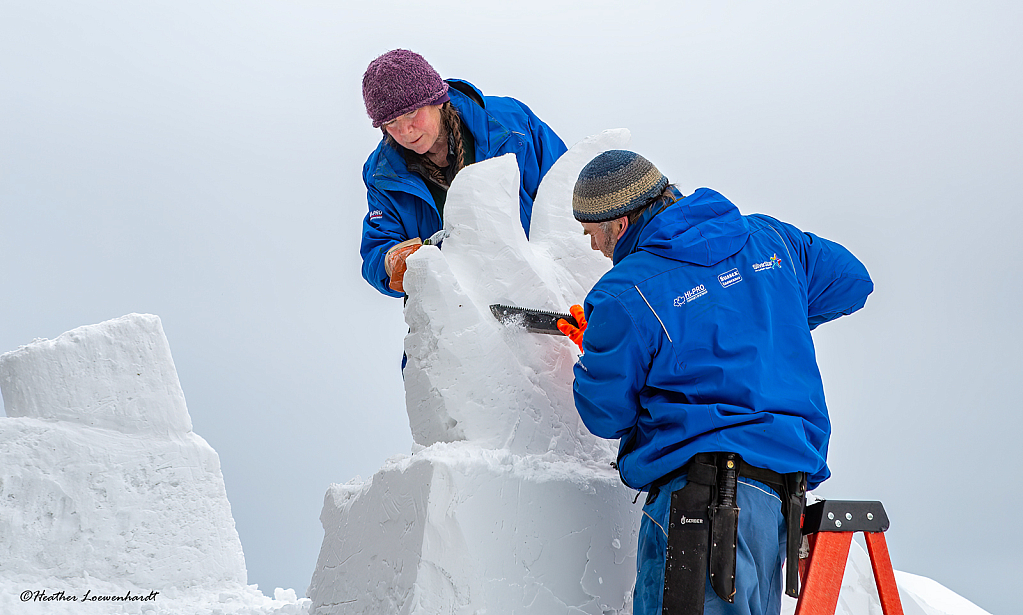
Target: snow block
101, 479
555, 233
148, 511
460, 529
469, 377
115, 375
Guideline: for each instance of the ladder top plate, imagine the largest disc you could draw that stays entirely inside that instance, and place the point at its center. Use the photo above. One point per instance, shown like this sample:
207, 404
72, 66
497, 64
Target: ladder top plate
845, 516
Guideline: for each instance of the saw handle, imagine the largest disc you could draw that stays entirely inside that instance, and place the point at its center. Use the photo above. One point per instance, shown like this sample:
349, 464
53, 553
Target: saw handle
574, 333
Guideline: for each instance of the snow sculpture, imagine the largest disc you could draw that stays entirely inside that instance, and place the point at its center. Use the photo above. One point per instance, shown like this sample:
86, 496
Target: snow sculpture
104, 488
468, 377
509, 505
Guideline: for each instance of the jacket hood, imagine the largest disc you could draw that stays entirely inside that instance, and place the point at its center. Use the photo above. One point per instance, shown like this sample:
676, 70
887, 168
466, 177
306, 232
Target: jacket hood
703, 228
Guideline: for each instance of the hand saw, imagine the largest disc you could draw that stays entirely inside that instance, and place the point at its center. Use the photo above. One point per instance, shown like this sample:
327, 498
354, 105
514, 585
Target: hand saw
535, 321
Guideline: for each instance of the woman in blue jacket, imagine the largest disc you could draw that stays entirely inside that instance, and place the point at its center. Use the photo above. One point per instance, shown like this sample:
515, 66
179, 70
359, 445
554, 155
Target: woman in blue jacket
432, 129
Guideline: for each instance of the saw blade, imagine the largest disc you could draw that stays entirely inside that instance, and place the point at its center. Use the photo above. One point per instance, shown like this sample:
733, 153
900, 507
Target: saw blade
534, 321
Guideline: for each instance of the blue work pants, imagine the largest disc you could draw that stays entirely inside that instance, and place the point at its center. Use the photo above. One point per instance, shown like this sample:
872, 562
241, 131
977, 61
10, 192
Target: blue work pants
759, 556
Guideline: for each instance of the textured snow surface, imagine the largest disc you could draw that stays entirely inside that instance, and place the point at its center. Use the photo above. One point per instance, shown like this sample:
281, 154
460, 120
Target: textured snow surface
928, 597
116, 375
103, 486
457, 528
470, 378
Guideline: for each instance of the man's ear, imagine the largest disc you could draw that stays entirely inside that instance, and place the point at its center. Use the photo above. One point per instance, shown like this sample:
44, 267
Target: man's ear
625, 224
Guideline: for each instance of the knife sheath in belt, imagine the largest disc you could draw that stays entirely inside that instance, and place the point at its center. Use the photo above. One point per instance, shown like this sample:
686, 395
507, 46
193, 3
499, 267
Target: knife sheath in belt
535, 321
724, 528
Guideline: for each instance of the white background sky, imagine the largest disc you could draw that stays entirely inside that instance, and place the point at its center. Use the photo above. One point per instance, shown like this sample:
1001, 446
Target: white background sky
201, 160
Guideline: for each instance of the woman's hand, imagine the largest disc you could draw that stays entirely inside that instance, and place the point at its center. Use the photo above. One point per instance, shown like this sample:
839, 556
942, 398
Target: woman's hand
394, 262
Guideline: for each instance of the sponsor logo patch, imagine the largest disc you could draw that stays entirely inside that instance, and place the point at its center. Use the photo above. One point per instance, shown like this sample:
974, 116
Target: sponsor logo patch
376, 214
691, 295
772, 263
729, 277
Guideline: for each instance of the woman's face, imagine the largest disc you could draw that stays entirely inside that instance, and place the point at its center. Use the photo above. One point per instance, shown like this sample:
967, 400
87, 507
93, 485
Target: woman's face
417, 130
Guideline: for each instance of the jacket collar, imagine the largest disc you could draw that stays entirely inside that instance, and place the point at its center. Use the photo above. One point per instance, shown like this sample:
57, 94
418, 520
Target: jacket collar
628, 243
704, 228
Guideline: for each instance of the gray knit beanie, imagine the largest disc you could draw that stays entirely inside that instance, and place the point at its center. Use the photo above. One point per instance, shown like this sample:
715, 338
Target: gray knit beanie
614, 184
398, 82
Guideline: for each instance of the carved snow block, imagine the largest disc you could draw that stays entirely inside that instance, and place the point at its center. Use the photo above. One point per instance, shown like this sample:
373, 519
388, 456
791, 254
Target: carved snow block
469, 378
118, 375
102, 482
462, 530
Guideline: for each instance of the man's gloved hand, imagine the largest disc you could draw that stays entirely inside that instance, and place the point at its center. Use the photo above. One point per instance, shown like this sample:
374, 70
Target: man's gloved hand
574, 333
394, 262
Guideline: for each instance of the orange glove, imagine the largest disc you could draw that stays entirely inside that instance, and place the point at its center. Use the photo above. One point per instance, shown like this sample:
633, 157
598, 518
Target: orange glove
394, 262
574, 333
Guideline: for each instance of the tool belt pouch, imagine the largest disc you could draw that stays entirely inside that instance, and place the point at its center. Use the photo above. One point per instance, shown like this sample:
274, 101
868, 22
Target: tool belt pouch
685, 566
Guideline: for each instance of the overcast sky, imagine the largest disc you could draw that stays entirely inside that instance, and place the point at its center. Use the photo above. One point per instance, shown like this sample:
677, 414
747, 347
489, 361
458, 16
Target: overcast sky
201, 160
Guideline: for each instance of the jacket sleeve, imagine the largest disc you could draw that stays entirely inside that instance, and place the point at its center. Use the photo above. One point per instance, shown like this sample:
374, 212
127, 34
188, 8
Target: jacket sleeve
381, 230
612, 370
837, 283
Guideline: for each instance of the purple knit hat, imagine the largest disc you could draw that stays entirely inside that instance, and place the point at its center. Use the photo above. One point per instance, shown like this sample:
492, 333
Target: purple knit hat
398, 82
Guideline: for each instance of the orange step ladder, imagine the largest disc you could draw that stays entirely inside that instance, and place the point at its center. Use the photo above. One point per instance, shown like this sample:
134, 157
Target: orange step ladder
829, 526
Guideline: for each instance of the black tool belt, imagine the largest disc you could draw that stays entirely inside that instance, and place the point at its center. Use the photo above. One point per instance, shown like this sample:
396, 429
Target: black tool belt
703, 528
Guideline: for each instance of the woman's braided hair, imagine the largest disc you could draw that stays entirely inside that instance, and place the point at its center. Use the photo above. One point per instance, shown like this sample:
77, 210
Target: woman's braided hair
420, 162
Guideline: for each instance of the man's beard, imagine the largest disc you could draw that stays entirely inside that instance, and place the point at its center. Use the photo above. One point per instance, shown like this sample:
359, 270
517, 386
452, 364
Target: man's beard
607, 247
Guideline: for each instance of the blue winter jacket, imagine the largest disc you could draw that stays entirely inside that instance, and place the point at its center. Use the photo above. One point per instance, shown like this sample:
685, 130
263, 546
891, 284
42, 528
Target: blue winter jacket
699, 340
400, 205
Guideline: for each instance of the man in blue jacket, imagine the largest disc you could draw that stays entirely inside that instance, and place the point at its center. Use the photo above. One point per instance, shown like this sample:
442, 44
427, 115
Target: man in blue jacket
698, 357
